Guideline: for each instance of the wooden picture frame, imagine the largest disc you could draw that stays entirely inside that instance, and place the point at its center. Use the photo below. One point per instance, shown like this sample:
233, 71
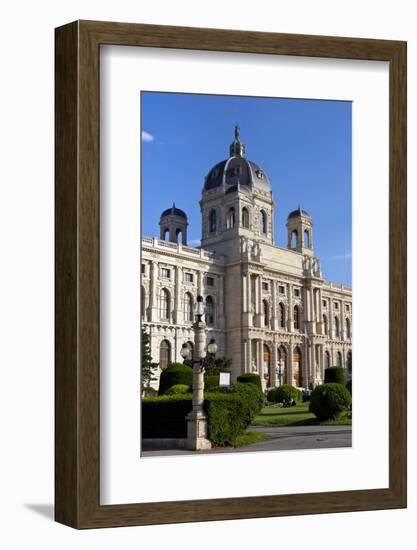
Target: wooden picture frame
77, 405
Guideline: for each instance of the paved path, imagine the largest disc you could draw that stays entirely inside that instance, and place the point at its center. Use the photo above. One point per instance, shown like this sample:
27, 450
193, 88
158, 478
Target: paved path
282, 438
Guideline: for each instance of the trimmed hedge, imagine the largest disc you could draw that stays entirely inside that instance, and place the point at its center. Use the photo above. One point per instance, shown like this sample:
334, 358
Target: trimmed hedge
175, 374
328, 401
178, 389
283, 393
164, 416
229, 412
250, 378
252, 398
226, 418
334, 375
349, 386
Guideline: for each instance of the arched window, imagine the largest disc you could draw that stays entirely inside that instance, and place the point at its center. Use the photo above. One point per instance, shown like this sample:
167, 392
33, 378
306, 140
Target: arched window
164, 354
267, 365
166, 235
230, 218
348, 329
265, 309
336, 327
245, 217
179, 235
339, 359
209, 310
306, 239
294, 239
263, 225
297, 368
325, 325
296, 318
282, 366
213, 221
281, 308
164, 304
188, 307
326, 360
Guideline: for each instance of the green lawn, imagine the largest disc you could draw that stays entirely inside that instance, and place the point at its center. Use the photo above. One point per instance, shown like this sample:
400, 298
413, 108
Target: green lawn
250, 437
295, 416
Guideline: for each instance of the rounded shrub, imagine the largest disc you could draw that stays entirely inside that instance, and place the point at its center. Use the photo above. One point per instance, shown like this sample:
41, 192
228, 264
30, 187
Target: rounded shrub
177, 389
250, 378
174, 374
349, 386
328, 401
284, 393
334, 375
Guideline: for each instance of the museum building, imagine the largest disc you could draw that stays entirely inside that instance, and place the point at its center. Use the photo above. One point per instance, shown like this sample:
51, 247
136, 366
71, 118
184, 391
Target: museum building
267, 307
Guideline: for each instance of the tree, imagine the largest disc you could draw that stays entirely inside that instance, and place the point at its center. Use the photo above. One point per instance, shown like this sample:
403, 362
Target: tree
216, 365
148, 366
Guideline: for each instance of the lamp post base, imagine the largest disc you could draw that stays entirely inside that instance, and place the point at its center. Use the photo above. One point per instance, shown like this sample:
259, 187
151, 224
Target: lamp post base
197, 432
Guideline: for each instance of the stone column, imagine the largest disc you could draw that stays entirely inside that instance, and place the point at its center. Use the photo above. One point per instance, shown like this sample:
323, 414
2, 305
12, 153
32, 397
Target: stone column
331, 320
248, 365
306, 364
245, 304
342, 320
197, 419
153, 298
274, 318
261, 362
259, 285
221, 319
274, 365
320, 312
306, 308
289, 362
290, 316
178, 305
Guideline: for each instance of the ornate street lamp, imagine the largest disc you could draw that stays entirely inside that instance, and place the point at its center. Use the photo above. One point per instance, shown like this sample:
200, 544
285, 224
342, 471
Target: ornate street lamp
197, 419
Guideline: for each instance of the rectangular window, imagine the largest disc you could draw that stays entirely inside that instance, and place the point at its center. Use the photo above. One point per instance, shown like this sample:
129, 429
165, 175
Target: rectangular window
143, 270
210, 281
324, 303
165, 272
189, 277
296, 291
347, 307
336, 305
264, 286
281, 289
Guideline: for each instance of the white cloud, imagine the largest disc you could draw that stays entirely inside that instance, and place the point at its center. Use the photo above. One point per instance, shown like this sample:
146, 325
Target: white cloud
346, 256
147, 137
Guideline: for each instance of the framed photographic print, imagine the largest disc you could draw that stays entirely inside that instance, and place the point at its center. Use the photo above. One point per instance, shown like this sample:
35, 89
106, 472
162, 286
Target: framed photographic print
230, 274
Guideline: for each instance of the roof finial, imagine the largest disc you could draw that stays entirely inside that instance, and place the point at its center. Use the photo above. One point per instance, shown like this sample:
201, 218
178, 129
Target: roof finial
237, 148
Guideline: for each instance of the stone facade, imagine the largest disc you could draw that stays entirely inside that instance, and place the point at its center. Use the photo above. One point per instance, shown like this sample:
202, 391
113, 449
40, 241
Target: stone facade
268, 307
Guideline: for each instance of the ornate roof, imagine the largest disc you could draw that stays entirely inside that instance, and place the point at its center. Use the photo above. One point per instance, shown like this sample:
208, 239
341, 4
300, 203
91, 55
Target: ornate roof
173, 211
297, 213
237, 170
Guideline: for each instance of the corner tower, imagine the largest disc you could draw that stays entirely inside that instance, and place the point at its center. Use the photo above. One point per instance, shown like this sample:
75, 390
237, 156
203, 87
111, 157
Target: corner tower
300, 232
236, 202
173, 225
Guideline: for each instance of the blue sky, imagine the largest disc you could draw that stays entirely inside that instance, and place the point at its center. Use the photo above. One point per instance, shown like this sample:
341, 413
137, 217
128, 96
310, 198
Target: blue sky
303, 145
